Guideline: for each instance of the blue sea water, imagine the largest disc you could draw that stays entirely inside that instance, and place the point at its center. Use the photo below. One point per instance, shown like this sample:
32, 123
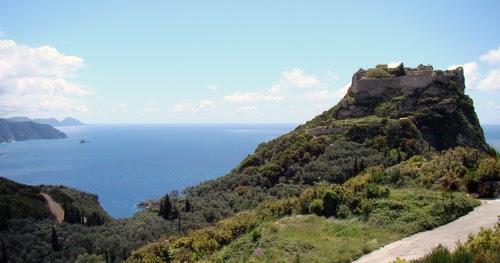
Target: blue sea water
127, 164
492, 134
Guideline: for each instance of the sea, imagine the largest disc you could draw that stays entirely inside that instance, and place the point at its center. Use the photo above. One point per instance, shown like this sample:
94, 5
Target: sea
127, 164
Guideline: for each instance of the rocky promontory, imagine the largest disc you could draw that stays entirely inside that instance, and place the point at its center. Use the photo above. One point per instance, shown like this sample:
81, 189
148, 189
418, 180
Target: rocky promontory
29, 130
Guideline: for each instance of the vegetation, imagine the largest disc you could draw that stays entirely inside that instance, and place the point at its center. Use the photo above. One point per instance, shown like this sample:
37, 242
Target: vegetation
332, 188
378, 73
20, 201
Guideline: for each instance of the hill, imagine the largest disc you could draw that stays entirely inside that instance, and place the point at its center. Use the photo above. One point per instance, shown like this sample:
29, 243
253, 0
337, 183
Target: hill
386, 155
19, 201
23, 131
51, 121
372, 169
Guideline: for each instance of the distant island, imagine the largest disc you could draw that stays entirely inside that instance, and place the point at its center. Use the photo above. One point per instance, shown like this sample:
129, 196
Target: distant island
27, 130
83, 141
51, 121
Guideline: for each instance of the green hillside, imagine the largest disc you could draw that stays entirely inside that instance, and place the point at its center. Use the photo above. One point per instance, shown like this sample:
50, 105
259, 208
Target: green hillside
396, 154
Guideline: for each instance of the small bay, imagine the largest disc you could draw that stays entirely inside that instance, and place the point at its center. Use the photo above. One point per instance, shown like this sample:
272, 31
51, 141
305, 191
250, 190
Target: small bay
127, 164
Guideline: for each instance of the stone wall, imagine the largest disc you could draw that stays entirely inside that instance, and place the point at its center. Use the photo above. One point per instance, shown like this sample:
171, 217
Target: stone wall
417, 78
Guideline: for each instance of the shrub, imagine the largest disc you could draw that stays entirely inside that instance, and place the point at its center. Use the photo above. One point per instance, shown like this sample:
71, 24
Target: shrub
377, 73
316, 207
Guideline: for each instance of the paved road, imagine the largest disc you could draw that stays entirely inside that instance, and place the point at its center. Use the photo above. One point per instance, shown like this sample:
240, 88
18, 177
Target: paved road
418, 245
55, 208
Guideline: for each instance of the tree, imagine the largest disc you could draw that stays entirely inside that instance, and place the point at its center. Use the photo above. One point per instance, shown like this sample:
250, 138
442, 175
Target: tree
54, 240
165, 207
187, 209
4, 253
401, 70
355, 167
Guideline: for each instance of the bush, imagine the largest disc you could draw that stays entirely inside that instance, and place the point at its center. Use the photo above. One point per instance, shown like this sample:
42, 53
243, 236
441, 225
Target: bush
377, 73
316, 207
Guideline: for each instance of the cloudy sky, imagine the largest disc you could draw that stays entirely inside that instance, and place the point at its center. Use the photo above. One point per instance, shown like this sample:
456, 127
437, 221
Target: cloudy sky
229, 61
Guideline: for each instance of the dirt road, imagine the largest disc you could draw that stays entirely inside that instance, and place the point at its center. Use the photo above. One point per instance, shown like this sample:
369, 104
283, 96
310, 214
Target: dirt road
54, 207
418, 245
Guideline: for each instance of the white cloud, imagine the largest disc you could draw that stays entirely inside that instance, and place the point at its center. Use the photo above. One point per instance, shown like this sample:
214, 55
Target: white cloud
319, 95
242, 97
190, 107
493, 105
121, 107
39, 105
246, 109
471, 72
289, 79
326, 94
492, 57
296, 78
34, 80
332, 75
212, 88
491, 82
394, 64
151, 109
253, 96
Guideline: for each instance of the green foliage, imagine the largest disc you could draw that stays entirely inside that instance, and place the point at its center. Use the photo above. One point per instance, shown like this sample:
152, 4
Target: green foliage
377, 73
401, 70
20, 201
30, 240
77, 205
166, 211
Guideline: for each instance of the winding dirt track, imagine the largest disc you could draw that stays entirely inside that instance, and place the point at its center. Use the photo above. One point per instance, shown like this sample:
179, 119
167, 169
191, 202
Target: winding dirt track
54, 207
416, 246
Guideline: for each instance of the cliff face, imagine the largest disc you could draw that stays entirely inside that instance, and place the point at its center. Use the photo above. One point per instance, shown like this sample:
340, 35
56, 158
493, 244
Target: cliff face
442, 112
23, 131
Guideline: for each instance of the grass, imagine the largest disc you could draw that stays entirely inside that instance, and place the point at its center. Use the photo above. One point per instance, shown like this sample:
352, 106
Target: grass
307, 238
310, 238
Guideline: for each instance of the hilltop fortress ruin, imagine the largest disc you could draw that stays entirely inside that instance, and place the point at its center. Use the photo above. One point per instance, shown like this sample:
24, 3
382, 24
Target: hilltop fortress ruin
415, 78
433, 99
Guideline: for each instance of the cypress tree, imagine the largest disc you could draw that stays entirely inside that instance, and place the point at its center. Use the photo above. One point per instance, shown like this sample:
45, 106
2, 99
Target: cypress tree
361, 165
166, 208
55, 240
4, 252
188, 206
401, 70
355, 168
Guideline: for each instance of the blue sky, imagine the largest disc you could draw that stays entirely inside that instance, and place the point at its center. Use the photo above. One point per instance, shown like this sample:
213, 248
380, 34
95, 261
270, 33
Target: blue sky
229, 61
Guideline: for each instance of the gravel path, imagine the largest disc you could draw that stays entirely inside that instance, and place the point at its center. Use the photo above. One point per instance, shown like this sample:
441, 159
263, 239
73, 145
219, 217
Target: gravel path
54, 207
417, 245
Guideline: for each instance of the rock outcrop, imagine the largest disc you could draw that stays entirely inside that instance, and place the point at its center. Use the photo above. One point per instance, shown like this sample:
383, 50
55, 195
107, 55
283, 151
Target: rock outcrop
442, 111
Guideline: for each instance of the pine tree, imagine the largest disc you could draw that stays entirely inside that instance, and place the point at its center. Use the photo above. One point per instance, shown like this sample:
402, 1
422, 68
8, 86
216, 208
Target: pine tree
188, 206
55, 240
